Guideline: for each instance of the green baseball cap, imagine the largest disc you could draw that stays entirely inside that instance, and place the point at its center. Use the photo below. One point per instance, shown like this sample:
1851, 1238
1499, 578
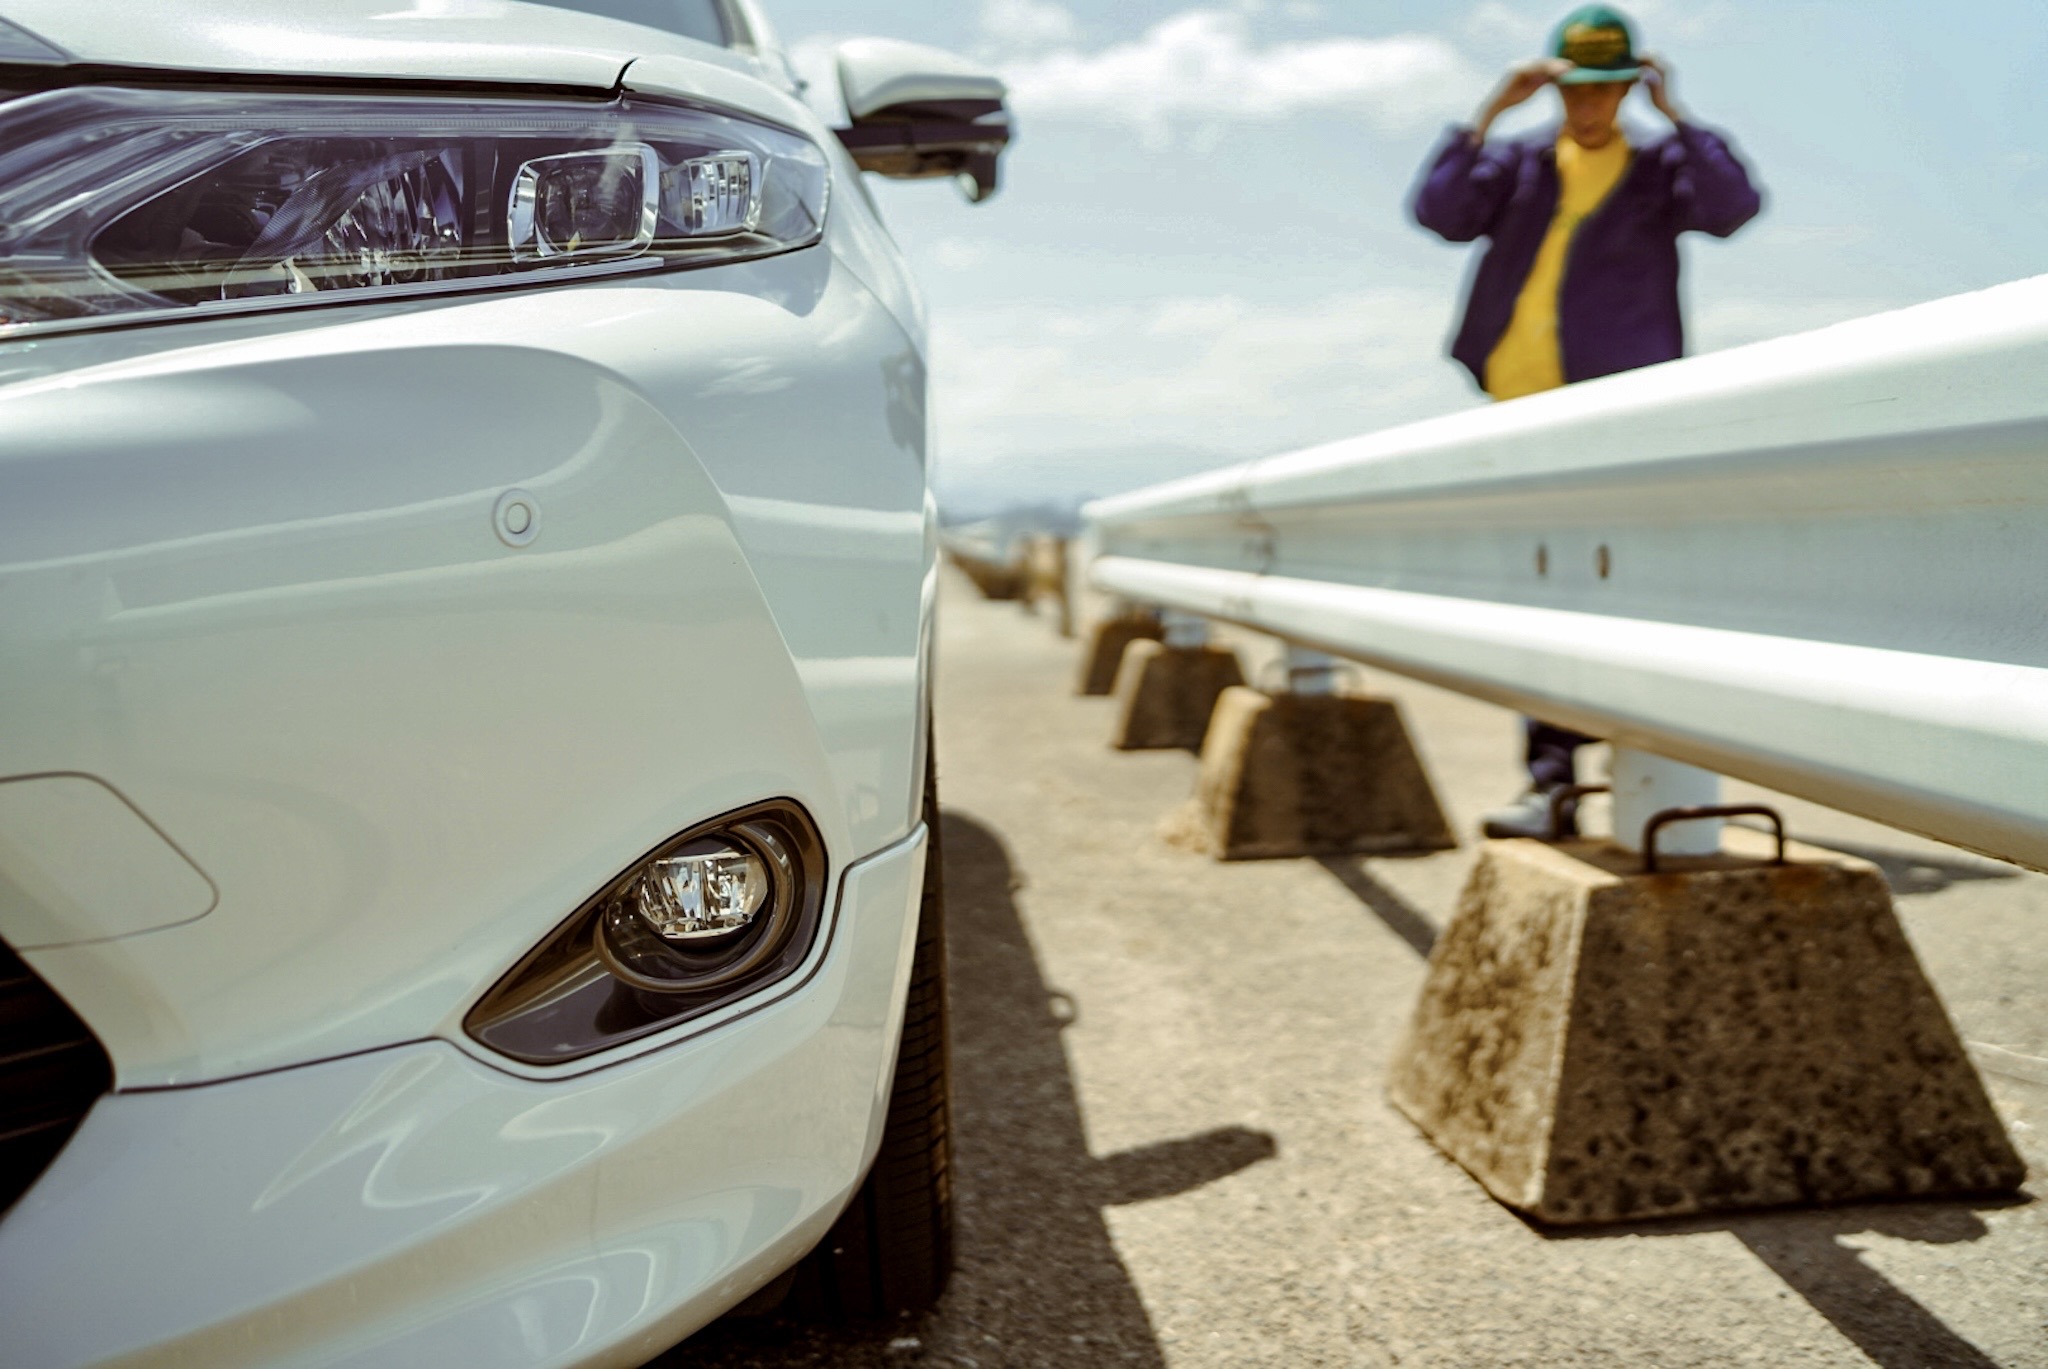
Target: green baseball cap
1600, 43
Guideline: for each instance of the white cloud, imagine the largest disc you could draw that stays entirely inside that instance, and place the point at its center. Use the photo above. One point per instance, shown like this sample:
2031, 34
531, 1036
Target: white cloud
1206, 64
1810, 236
1658, 22
960, 254
1500, 25
1736, 320
1028, 26
1215, 374
1053, 400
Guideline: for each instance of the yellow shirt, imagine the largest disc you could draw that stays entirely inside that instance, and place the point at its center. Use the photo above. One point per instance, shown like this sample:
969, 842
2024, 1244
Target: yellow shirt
1527, 358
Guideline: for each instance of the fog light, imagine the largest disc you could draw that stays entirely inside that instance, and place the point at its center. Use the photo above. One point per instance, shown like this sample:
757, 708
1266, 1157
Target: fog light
703, 914
698, 895
718, 912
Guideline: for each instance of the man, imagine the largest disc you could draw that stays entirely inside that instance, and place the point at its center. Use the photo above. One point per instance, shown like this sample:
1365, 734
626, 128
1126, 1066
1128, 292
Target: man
1580, 274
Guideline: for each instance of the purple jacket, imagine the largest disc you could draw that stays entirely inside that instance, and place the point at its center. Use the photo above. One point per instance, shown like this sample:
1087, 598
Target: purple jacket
1618, 306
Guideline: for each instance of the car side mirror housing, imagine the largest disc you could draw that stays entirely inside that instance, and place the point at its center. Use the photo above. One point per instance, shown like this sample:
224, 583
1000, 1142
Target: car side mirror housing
918, 112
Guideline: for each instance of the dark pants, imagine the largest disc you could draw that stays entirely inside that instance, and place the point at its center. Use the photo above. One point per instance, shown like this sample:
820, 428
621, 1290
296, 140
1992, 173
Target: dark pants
1550, 751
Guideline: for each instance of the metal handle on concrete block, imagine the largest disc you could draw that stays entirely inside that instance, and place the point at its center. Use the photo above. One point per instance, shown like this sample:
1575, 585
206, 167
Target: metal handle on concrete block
1569, 793
1715, 810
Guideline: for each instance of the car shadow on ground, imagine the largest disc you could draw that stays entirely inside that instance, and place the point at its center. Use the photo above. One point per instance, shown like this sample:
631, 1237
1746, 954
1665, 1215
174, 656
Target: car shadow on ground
1038, 1281
1812, 1250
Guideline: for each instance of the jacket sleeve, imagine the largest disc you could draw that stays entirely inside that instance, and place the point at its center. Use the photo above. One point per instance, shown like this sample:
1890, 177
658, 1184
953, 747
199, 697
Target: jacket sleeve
1463, 189
1710, 188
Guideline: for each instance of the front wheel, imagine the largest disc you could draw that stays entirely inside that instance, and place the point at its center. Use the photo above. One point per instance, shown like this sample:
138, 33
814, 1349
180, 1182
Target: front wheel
891, 1251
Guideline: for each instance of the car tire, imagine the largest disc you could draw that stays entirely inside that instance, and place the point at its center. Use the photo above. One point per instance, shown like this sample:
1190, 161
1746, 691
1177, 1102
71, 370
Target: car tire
891, 1251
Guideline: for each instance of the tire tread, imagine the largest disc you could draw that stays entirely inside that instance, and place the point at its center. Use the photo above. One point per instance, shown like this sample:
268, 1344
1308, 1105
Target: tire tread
891, 1252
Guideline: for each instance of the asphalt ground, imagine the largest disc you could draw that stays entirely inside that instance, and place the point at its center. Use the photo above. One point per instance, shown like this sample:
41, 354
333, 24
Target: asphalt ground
1174, 1146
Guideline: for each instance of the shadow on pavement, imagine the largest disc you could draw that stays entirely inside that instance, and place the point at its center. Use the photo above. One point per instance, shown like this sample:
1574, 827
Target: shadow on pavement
1401, 916
1038, 1281
1814, 1252
1804, 1248
1909, 873
1885, 1322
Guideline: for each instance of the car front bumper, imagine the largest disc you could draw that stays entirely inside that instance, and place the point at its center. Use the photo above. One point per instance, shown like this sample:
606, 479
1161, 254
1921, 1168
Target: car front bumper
417, 1206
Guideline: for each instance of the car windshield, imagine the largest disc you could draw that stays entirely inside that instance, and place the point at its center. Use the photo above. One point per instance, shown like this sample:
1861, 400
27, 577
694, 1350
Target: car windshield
701, 19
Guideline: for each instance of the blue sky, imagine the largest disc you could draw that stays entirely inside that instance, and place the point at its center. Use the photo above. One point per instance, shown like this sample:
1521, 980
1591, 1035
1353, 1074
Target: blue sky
1200, 252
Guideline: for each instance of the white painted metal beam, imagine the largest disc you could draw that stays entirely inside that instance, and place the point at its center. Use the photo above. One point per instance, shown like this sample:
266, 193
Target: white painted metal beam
1820, 563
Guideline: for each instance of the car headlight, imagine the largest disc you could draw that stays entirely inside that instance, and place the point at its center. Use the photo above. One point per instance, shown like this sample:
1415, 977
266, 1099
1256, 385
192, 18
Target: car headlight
121, 205
720, 912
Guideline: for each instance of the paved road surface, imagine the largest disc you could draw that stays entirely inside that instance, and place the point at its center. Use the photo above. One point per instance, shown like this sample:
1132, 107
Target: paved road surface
1173, 1144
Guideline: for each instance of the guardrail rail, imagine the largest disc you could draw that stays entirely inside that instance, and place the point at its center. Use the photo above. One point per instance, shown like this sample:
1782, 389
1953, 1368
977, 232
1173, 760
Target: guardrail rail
1819, 563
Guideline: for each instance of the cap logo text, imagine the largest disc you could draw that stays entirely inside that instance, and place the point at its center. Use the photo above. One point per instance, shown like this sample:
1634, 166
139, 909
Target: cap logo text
1587, 46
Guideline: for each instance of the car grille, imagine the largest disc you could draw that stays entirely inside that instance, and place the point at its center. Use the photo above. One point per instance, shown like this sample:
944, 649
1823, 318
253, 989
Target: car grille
51, 1070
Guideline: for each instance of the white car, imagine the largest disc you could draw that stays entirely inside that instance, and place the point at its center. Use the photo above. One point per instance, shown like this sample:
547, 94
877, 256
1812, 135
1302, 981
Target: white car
466, 576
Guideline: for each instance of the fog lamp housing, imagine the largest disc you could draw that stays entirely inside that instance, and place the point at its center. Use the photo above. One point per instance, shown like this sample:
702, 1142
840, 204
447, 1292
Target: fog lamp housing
706, 914
720, 912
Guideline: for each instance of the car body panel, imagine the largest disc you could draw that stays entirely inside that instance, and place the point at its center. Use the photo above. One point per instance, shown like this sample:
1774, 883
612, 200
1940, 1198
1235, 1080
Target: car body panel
437, 40
422, 43
79, 864
254, 586
414, 1206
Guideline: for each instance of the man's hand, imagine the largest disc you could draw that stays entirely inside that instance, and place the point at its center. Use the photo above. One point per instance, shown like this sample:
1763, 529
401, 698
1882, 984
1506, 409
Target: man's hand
1657, 81
1518, 85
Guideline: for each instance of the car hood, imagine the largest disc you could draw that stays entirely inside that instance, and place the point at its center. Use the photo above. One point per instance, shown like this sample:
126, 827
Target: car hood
440, 40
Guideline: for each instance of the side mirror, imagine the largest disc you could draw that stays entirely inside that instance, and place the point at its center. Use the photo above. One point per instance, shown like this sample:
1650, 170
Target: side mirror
918, 112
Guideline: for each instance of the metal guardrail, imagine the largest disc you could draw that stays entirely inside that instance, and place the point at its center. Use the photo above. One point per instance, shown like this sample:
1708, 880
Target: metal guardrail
991, 556
1819, 563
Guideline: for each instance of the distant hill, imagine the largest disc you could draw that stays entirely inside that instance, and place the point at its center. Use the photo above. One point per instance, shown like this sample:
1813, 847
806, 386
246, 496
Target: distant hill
1045, 493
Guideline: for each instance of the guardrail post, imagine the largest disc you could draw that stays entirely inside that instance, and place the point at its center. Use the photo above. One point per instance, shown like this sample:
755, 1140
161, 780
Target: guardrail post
1646, 785
1304, 769
1184, 630
1309, 672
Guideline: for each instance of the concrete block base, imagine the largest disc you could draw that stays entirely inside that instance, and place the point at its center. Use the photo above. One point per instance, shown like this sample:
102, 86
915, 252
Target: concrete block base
1308, 774
994, 579
1166, 694
1105, 653
1597, 1045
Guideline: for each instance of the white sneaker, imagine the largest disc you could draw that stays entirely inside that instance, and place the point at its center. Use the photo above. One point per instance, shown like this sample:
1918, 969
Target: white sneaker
1529, 816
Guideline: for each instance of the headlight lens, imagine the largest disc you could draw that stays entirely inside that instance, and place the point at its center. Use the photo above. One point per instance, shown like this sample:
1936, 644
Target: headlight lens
722, 911
122, 204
